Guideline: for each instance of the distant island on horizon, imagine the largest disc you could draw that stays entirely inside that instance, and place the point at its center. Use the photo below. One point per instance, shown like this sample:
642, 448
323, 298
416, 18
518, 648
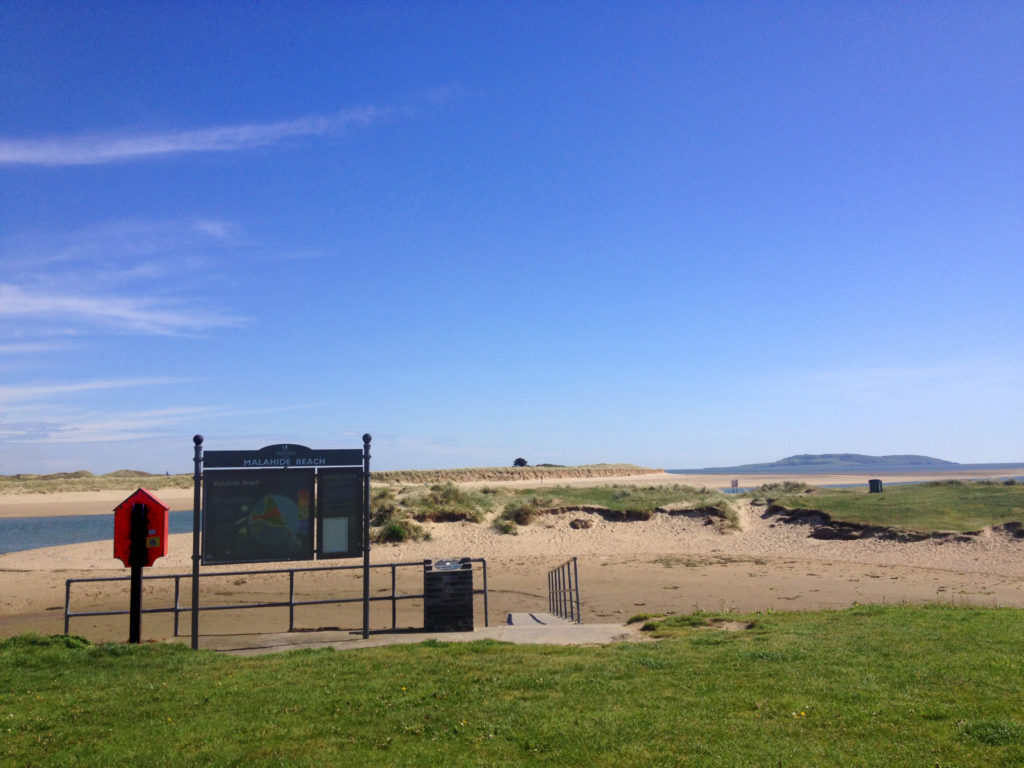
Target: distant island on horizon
840, 462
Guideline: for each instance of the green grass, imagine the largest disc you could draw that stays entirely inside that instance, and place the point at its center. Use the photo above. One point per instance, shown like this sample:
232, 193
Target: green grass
938, 506
397, 511
626, 498
868, 686
390, 520
508, 527
447, 502
635, 502
523, 511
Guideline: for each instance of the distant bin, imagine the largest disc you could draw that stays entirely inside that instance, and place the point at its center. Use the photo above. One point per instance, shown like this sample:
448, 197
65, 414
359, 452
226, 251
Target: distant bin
448, 595
874, 486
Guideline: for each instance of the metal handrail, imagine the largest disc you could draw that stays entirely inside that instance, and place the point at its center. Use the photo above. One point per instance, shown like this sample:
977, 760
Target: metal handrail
291, 603
564, 591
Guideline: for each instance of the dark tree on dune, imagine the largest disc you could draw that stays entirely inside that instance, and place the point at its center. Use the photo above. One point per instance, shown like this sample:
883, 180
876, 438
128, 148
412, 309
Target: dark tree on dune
520, 462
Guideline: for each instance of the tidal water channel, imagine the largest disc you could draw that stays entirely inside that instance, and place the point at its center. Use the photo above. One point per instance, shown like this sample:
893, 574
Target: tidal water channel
20, 533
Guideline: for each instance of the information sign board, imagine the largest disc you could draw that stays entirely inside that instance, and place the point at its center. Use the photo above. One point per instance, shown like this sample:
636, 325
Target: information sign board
339, 504
257, 516
282, 456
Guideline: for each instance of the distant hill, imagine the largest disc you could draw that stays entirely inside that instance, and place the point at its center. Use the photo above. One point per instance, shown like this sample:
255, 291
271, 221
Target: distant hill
838, 462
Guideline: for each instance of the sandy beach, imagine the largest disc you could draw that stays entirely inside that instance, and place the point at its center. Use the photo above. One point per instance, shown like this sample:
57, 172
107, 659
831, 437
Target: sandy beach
665, 564
82, 502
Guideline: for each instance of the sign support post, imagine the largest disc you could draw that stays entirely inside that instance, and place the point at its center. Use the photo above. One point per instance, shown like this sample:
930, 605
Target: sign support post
196, 505
138, 558
366, 535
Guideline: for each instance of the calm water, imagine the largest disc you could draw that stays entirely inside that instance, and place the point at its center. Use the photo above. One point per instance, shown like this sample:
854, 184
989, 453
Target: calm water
18, 533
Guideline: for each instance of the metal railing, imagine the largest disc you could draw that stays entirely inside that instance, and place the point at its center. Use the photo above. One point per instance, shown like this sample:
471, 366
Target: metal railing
564, 591
291, 603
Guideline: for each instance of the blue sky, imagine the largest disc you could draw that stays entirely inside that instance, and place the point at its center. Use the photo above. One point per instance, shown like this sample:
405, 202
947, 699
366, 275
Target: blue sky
675, 234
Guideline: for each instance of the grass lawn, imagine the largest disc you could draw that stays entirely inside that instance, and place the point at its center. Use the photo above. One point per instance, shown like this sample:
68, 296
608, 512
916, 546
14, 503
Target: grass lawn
938, 506
867, 686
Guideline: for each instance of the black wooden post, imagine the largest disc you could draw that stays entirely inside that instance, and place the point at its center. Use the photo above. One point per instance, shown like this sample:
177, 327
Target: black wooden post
138, 558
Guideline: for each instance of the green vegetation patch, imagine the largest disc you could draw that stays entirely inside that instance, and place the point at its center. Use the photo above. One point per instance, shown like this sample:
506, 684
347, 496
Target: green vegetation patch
390, 520
684, 624
126, 479
396, 511
937, 506
524, 511
447, 502
784, 487
634, 502
508, 527
622, 497
868, 686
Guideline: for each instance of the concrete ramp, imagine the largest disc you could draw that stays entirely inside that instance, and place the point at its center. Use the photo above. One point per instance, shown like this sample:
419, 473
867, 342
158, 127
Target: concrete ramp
524, 628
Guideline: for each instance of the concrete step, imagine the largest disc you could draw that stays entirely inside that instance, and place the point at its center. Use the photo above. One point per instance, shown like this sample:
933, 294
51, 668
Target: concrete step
535, 620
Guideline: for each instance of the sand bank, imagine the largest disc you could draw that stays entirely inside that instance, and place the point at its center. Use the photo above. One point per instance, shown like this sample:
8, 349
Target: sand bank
83, 502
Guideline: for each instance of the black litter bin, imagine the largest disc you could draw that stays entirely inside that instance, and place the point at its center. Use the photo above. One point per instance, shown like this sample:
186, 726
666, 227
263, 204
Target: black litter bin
874, 486
448, 595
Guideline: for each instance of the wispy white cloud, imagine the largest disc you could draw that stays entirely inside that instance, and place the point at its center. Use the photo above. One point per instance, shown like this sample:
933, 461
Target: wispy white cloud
97, 149
138, 277
217, 229
43, 390
130, 425
115, 255
18, 431
127, 236
71, 425
140, 315
30, 348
